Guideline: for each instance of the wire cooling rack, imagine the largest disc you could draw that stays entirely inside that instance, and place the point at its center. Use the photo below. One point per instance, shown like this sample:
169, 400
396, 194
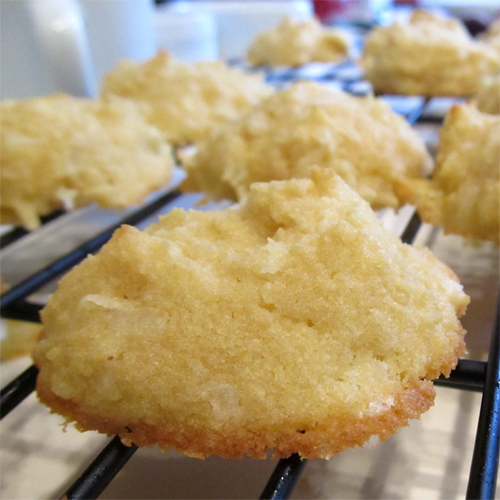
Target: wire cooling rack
470, 375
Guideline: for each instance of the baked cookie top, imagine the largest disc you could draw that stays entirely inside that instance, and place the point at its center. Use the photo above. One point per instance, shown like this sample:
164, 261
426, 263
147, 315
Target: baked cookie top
428, 55
294, 43
64, 152
185, 101
488, 96
292, 322
360, 138
464, 193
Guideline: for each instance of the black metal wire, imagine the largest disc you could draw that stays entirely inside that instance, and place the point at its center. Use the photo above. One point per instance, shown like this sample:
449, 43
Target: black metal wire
23, 311
283, 479
484, 467
468, 375
101, 471
411, 229
18, 390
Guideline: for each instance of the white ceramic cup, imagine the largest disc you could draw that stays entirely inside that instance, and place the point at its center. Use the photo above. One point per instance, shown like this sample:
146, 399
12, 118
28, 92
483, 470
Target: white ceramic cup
188, 34
67, 46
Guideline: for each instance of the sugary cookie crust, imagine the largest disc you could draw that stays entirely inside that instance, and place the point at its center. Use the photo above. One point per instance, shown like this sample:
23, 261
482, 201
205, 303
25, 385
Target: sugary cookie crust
186, 101
291, 323
427, 56
307, 125
64, 152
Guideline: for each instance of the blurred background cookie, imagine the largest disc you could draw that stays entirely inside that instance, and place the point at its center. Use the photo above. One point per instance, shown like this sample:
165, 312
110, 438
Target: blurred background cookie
488, 95
65, 152
362, 139
186, 101
294, 43
464, 193
428, 55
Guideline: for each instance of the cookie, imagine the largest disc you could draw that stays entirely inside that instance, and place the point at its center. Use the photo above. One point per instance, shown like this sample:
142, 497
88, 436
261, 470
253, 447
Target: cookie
428, 55
464, 194
61, 152
290, 323
18, 339
186, 100
295, 43
360, 138
488, 96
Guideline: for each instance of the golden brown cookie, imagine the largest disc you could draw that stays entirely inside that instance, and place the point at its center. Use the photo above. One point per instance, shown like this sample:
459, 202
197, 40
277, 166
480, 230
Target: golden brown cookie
294, 43
464, 193
428, 56
291, 323
186, 101
362, 139
63, 152
488, 96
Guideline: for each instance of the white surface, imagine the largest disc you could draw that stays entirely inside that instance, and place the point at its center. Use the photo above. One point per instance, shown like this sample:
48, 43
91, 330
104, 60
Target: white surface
22, 70
68, 45
188, 35
60, 31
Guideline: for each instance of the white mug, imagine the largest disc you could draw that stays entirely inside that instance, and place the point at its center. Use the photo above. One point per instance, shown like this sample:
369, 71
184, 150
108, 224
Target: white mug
67, 46
188, 34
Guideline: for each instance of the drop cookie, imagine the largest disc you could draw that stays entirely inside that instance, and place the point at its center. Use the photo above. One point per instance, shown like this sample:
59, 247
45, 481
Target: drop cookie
290, 323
